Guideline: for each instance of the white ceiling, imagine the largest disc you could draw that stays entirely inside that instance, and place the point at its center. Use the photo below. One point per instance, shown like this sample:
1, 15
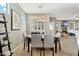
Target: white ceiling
59, 10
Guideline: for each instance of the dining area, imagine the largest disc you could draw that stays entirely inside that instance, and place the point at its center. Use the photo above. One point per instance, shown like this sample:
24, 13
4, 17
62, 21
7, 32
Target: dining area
48, 45
41, 42
41, 34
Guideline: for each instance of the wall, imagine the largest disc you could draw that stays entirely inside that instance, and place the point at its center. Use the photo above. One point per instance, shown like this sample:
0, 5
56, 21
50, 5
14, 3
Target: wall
16, 37
28, 24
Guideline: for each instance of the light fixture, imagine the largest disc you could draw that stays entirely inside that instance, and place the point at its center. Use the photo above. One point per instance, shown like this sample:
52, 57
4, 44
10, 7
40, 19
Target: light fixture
39, 6
41, 16
76, 17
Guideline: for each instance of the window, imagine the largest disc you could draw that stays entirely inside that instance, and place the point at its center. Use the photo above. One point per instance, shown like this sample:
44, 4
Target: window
3, 7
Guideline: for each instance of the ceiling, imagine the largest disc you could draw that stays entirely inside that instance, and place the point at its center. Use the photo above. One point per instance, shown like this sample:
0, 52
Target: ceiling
62, 11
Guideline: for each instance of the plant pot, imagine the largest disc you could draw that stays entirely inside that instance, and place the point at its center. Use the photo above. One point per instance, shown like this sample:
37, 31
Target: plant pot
5, 42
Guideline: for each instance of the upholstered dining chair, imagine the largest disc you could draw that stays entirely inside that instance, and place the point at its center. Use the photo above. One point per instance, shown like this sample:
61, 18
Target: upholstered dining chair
36, 42
49, 43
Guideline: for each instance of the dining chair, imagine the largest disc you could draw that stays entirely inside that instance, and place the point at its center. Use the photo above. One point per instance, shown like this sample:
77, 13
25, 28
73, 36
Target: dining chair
49, 43
36, 42
57, 42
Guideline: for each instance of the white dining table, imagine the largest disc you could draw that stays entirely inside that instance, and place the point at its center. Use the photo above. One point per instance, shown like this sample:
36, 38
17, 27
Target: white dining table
41, 34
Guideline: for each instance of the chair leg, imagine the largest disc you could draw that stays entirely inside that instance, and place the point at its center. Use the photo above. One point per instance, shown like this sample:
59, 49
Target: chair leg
53, 51
24, 46
55, 47
31, 51
43, 51
40, 51
78, 52
59, 46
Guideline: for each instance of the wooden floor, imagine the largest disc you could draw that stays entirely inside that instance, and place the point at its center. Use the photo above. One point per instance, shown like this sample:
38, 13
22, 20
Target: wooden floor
68, 48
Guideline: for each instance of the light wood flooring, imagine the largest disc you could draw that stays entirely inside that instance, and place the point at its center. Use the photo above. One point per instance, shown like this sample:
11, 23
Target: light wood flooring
68, 48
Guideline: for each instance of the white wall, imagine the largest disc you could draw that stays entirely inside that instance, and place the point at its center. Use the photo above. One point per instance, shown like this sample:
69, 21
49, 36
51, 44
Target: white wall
28, 24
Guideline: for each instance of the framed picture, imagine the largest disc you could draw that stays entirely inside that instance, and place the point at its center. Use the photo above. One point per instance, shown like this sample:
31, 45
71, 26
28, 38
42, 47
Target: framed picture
15, 20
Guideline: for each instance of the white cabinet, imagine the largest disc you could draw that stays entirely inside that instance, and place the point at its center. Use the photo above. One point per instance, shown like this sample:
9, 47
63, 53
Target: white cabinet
38, 23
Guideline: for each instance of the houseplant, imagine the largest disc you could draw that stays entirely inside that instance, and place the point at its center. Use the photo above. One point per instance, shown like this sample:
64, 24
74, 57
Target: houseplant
5, 40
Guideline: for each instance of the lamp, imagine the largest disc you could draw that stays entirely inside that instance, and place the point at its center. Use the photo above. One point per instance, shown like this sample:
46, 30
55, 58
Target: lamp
41, 17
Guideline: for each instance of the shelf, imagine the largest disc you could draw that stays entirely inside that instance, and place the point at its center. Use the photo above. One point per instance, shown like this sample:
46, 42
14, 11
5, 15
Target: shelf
2, 33
6, 54
3, 22
3, 45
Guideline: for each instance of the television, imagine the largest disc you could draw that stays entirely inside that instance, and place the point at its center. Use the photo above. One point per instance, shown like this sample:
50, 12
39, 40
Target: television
64, 24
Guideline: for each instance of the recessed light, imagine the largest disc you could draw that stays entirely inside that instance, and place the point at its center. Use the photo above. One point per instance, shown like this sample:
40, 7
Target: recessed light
40, 6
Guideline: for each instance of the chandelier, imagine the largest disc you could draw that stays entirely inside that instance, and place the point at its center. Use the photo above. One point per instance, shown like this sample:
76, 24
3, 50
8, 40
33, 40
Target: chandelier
42, 16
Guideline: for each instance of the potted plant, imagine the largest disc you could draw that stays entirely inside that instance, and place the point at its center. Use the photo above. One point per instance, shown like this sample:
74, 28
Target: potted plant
5, 40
